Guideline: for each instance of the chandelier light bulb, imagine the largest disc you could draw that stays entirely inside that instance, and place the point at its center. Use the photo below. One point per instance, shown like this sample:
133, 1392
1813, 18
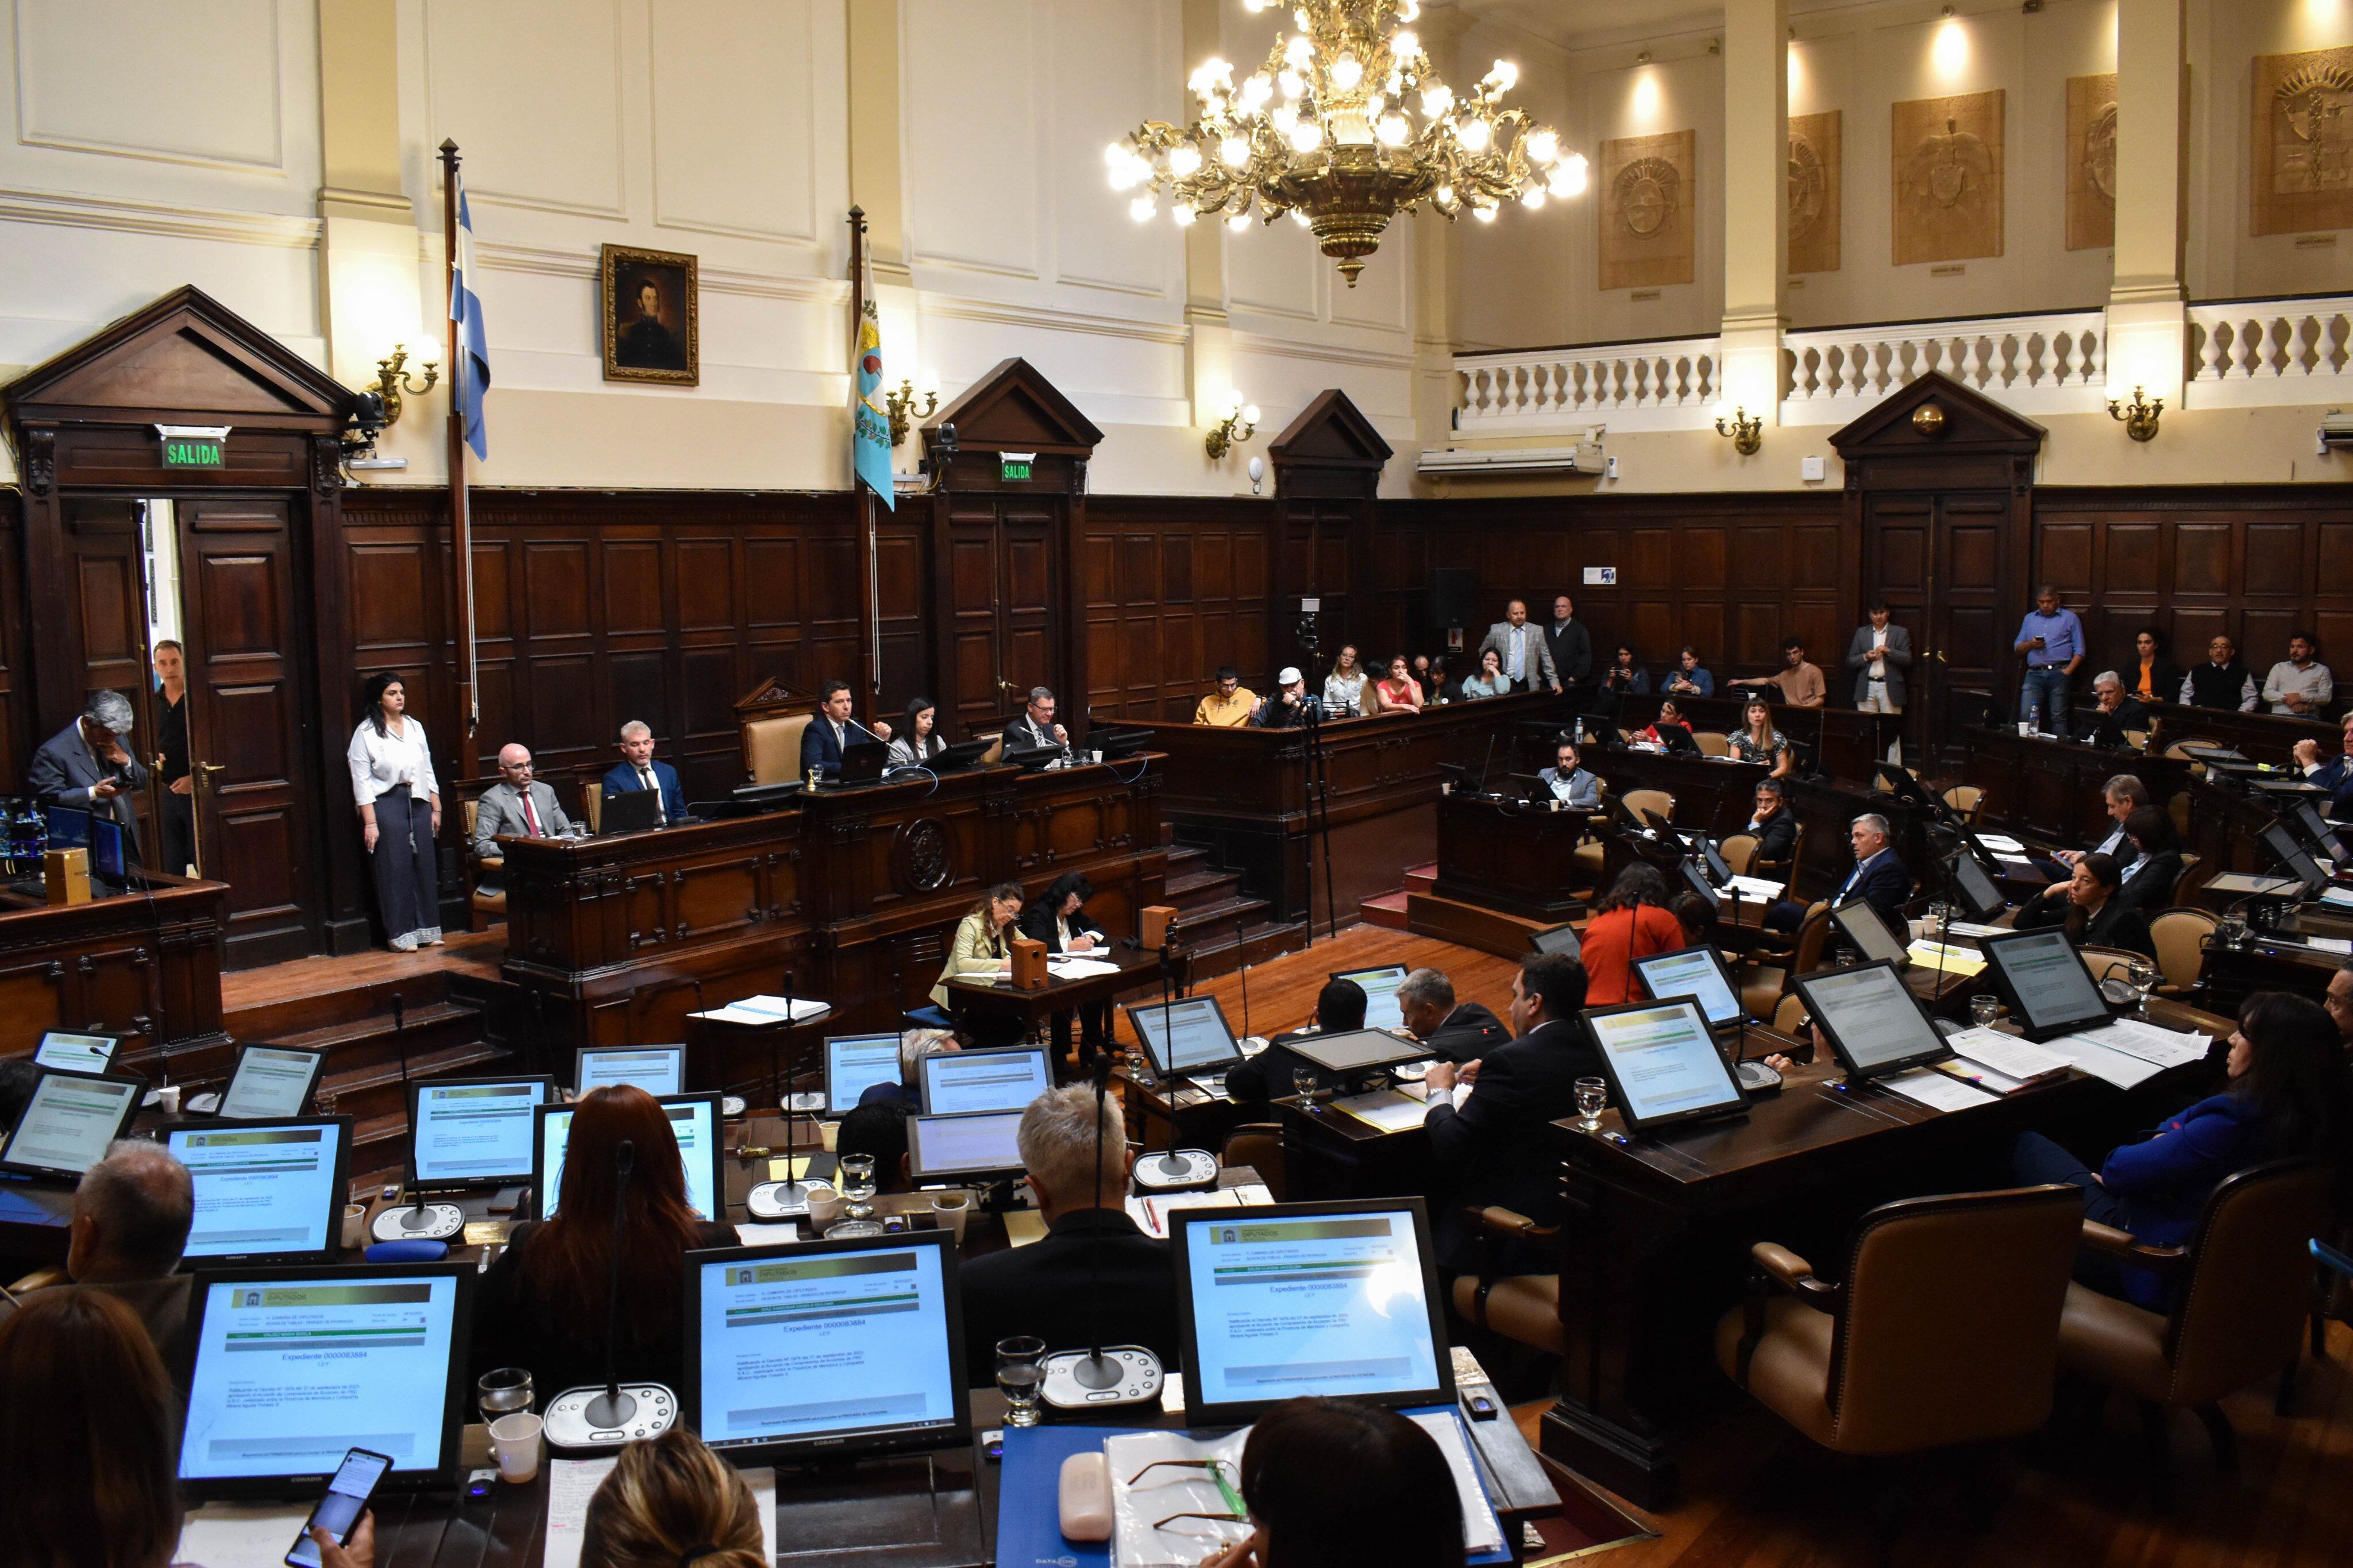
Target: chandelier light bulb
1292, 86
1239, 223
1436, 100
1184, 161
1409, 9
1256, 90
1472, 132
1141, 208
1544, 146
1578, 173
1250, 412
1307, 136
1116, 156
1284, 118
1346, 73
1505, 76
1301, 19
1255, 6
1404, 46
1484, 212
1532, 197
1233, 151
1298, 218
1183, 214
1298, 51
1443, 195
1394, 130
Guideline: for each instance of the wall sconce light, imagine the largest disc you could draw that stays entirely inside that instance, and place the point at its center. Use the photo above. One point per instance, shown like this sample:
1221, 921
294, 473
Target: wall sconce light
1240, 425
392, 377
1746, 429
901, 404
2139, 415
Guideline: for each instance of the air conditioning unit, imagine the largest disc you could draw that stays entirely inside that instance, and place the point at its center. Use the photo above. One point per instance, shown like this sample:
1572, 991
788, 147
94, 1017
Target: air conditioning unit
1585, 458
2335, 430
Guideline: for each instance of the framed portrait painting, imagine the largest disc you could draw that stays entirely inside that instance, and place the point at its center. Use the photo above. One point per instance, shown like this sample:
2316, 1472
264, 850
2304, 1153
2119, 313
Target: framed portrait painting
652, 331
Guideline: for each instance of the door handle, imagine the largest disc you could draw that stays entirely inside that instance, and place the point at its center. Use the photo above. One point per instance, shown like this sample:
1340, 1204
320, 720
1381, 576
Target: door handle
205, 771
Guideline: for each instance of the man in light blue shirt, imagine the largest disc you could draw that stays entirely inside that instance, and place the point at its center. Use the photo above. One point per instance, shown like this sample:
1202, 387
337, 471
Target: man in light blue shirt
2052, 641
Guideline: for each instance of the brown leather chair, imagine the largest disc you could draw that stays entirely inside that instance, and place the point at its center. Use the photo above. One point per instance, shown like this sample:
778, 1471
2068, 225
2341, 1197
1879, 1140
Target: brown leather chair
2243, 1286
483, 904
1712, 742
772, 746
1591, 854
1258, 1145
1740, 852
1763, 982
1965, 799
1639, 801
1944, 1331
2180, 937
1522, 1306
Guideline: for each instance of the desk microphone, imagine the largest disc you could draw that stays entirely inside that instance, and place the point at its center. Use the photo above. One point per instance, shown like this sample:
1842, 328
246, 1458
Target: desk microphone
1096, 1378
415, 1220
591, 1418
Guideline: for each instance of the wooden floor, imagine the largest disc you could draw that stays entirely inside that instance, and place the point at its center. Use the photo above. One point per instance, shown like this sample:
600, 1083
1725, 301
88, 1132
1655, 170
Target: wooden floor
478, 953
1757, 1496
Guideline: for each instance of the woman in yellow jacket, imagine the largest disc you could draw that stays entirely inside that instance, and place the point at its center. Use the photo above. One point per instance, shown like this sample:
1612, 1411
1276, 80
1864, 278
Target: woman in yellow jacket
980, 939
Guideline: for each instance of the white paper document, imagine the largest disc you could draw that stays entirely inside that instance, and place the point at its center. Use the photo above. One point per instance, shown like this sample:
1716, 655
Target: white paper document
765, 1010
1937, 1091
1755, 889
2007, 1054
2087, 1053
2000, 844
233, 1535
2338, 945
1971, 929
1078, 966
1385, 1108
2166, 1047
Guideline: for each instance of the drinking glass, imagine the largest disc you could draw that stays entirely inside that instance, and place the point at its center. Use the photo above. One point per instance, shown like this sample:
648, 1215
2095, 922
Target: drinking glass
1592, 1094
1940, 918
1984, 1009
322, 1102
2141, 975
1303, 1082
2234, 932
503, 1391
1021, 1370
857, 1185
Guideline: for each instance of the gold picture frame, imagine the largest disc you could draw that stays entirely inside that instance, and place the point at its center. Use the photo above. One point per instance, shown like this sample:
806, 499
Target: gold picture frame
657, 338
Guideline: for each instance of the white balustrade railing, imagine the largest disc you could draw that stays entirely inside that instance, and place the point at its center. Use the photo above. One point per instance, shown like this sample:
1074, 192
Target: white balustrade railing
2049, 364
2258, 340
1669, 384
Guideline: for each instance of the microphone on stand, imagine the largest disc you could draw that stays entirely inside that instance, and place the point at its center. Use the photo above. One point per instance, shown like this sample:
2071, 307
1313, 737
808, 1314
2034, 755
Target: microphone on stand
606, 1416
415, 1220
1124, 1374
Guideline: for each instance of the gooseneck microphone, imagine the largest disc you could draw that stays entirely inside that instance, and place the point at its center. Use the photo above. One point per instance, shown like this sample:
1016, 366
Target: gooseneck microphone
1095, 1377
599, 1417
1096, 1370
612, 1407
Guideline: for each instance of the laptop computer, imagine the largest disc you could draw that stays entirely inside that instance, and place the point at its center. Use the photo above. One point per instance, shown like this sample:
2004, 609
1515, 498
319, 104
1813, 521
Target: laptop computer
862, 762
631, 811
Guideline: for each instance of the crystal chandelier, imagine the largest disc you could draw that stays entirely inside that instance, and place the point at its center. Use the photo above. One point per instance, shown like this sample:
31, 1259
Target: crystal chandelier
1344, 127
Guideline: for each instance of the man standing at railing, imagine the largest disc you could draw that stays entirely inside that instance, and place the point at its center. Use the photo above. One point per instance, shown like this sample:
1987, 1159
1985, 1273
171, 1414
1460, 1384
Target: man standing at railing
2051, 639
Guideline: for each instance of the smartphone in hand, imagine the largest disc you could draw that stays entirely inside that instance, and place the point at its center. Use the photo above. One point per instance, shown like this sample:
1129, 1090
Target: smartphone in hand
339, 1511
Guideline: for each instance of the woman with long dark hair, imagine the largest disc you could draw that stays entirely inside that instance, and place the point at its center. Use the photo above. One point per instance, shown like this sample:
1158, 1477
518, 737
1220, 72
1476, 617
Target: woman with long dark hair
400, 813
543, 1304
1632, 921
1059, 919
919, 738
1331, 1483
2288, 1097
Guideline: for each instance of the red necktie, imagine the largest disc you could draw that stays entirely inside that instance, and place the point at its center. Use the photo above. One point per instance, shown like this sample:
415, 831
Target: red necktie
530, 818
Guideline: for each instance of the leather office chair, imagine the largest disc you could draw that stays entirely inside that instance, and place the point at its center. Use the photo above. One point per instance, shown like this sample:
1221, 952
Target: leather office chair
2178, 808
482, 904
1591, 856
772, 747
2180, 936
1258, 1145
1787, 1012
2243, 1285
591, 804
1522, 1306
1764, 981
1738, 851
2106, 962
1945, 1330
1965, 799
2183, 888
1713, 742
1641, 800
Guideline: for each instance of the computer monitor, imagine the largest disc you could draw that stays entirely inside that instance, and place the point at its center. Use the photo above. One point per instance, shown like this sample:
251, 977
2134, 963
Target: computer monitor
272, 1081
2042, 976
1866, 931
266, 1191
69, 827
106, 859
73, 1051
656, 1069
854, 1064
474, 1132
1905, 785
1559, 939
1697, 972
1972, 889
960, 754
295, 1366
1694, 876
1662, 1063
978, 1147
1703, 849
1380, 986
2292, 856
1337, 1299
2318, 833
957, 1083
1677, 739
827, 1348
69, 1120
1354, 1050
693, 1119
629, 811
1189, 1037
862, 762
1871, 1019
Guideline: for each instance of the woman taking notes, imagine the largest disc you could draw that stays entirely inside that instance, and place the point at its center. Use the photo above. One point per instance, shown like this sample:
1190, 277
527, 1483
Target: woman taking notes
980, 939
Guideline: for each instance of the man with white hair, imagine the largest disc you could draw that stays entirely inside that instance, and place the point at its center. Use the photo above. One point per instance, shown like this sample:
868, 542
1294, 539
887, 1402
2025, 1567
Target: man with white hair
2114, 711
87, 766
517, 807
1093, 1277
637, 769
130, 1217
1878, 879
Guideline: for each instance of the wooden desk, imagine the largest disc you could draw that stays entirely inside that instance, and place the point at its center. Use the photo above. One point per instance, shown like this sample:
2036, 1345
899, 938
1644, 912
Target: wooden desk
1845, 744
147, 963
1509, 855
2050, 789
1030, 1009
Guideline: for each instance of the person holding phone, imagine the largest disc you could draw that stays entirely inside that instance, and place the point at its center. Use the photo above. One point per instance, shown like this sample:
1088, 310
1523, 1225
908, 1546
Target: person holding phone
342, 1513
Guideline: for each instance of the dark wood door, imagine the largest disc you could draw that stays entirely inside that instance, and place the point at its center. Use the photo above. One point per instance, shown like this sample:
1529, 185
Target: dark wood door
999, 588
1942, 562
106, 623
257, 792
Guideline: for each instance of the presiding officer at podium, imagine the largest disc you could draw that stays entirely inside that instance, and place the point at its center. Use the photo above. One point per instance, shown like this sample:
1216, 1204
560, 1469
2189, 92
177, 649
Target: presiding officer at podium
833, 730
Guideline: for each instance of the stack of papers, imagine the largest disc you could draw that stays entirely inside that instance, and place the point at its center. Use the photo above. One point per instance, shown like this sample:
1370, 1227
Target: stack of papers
1937, 955
1969, 927
1150, 1214
2000, 1063
2129, 1053
2339, 898
1937, 1091
765, 1010
1385, 1108
2000, 844
1078, 966
1755, 889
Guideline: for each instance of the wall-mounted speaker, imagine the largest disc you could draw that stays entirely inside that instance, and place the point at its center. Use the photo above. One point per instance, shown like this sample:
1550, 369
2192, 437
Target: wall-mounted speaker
1451, 589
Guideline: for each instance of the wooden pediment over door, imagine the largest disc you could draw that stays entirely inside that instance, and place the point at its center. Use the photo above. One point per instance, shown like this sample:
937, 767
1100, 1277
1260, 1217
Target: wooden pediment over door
1330, 433
1013, 408
1935, 434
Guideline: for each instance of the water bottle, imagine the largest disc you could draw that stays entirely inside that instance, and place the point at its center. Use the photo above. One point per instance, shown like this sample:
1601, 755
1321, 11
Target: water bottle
1580, 730
2036, 717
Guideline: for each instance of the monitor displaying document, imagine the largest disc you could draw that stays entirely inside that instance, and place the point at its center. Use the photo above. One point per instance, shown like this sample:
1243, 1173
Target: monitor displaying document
693, 1119
475, 1132
293, 1366
1871, 1019
1356, 1050
1559, 939
2316, 828
1979, 898
854, 1064
69, 1052
2292, 856
656, 1069
958, 1083
266, 1191
1330, 1299
1867, 932
832, 1347
69, 1119
958, 1148
1380, 993
1697, 972
1189, 1036
1662, 1063
272, 1081
2043, 977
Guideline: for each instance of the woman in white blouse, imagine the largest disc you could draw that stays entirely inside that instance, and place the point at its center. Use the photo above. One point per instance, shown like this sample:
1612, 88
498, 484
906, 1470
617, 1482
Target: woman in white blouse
400, 807
1344, 688
919, 738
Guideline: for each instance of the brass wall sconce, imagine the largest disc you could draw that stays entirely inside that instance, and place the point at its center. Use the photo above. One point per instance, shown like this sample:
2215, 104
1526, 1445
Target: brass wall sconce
1240, 425
392, 378
2139, 415
901, 405
1746, 429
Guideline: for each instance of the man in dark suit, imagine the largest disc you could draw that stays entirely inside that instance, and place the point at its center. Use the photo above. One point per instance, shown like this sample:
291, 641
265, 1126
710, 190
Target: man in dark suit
1461, 1031
2087, 906
1035, 727
1093, 1277
1878, 879
2334, 774
2114, 711
87, 767
645, 344
1339, 1007
1774, 826
1570, 645
1496, 1150
833, 729
637, 769
1569, 782
1526, 654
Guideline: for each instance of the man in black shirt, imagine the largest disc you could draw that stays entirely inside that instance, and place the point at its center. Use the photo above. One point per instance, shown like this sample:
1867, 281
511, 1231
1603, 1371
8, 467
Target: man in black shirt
1572, 647
1339, 1007
1094, 1277
645, 344
171, 760
1460, 1031
2221, 681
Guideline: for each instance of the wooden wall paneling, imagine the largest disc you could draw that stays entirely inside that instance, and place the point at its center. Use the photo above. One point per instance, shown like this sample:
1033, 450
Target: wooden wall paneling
16, 742
1168, 589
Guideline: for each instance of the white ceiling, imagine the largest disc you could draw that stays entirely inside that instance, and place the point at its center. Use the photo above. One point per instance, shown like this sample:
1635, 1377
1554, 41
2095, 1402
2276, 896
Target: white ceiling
1575, 23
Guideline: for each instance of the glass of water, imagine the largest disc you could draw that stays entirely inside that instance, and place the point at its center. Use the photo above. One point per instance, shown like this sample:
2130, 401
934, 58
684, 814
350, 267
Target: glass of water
1592, 1094
1303, 1082
1020, 1371
1940, 918
503, 1391
857, 1185
2141, 975
1984, 1008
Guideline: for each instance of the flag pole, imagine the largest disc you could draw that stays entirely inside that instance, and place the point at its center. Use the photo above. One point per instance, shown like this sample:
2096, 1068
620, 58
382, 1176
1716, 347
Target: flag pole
461, 521
869, 613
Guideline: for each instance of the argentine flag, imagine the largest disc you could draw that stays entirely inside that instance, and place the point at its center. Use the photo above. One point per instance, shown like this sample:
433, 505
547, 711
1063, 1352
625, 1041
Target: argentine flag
869, 437
472, 371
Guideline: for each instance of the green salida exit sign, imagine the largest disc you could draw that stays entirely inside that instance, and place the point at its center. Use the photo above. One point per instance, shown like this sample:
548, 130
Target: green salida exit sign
192, 446
1014, 464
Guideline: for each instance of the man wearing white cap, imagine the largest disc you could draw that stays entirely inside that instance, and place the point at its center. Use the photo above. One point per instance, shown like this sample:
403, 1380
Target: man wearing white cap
1288, 706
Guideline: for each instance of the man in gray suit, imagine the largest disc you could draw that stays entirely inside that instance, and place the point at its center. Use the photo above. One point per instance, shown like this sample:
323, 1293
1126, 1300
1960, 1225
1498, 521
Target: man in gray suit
517, 805
1571, 784
1526, 658
1879, 655
87, 767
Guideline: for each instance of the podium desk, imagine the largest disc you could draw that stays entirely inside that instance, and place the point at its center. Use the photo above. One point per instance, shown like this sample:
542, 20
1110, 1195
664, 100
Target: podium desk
1137, 968
1509, 855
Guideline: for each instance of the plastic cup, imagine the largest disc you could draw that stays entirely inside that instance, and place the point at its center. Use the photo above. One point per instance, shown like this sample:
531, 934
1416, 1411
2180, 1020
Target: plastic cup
516, 1441
951, 1210
355, 1225
167, 1098
825, 1207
